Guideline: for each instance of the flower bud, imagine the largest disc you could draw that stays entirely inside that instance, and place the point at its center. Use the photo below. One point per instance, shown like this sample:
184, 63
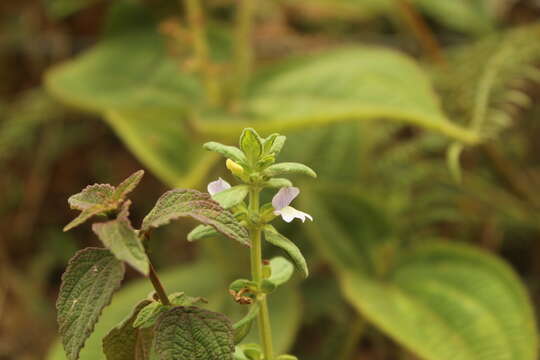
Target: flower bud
234, 168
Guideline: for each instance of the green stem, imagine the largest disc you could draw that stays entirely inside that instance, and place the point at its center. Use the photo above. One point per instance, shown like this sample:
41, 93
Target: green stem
198, 33
265, 331
243, 50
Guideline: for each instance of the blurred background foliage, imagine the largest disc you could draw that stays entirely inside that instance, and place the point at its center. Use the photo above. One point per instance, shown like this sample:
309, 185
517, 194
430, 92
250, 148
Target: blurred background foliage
418, 115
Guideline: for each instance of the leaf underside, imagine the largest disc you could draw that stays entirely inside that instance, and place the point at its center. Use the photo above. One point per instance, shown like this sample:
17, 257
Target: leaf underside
191, 333
88, 284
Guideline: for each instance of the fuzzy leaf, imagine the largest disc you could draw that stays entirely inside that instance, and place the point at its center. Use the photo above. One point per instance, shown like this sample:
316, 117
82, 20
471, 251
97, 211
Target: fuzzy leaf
275, 238
179, 203
274, 143
87, 287
202, 232
148, 315
231, 197
125, 342
190, 333
250, 143
230, 152
127, 186
289, 168
122, 240
282, 270
276, 183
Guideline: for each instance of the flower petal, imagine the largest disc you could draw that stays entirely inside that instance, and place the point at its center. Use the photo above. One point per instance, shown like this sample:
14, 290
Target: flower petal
288, 214
218, 186
284, 197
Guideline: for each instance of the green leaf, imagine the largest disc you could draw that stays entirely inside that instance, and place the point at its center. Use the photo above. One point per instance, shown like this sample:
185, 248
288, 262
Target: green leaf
275, 238
282, 270
231, 197
230, 152
148, 315
181, 299
179, 203
276, 183
99, 199
250, 143
192, 333
87, 287
242, 327
125, 342
289, 168
447, 302
274, 143
202, 232
285, 309
123, 241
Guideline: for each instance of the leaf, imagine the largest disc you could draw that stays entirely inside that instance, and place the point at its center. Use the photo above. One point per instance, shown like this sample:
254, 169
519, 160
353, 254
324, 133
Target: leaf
242, 327
191, 333
250, 143
230, 152
277, 183
356, 83
101, 198
87, 286
447, 302
123, 241
282, 270
202, 232
231, 197
179, 203
285, 310
125, 342
289, 168
148, 315
275, 238
274, 143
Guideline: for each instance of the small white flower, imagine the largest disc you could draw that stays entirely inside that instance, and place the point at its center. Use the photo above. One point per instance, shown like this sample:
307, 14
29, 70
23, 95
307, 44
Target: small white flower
281, 202
218, 186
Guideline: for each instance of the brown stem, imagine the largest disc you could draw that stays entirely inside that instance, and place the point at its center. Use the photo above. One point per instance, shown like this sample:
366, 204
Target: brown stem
160, 291
421, 31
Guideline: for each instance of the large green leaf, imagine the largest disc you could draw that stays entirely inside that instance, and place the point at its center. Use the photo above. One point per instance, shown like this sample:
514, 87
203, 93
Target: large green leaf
448, 302
210, 283
441, 301
88, 285
357, 83
191, 333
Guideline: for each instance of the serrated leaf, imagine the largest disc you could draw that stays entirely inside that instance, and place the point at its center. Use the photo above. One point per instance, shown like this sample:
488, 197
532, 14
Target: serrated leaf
241, 328
191, 333
230, 152
123, 241
179, 203
285, 309
231, 197
282, 270
87, 287
251, 145
100, 198
275, 238
202, 232
125, 342
289, 168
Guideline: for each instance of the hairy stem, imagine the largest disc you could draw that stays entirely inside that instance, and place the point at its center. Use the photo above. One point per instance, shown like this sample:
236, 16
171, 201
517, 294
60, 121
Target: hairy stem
243, 50
265, 331
156, 283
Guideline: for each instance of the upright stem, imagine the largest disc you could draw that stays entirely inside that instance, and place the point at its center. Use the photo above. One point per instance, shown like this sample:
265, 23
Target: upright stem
160, 291
265, 331
243, 50
198, 33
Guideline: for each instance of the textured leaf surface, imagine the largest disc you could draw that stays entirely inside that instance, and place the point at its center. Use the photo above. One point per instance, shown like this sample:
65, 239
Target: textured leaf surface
125, 342
87, 287
191, 333
449, 302
122, 240
231, 197
128, 185
178, 203
210, 281
275, 238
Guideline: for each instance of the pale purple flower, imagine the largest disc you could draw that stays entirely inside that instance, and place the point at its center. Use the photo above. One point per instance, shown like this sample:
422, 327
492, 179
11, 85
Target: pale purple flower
218, 186
281, 202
